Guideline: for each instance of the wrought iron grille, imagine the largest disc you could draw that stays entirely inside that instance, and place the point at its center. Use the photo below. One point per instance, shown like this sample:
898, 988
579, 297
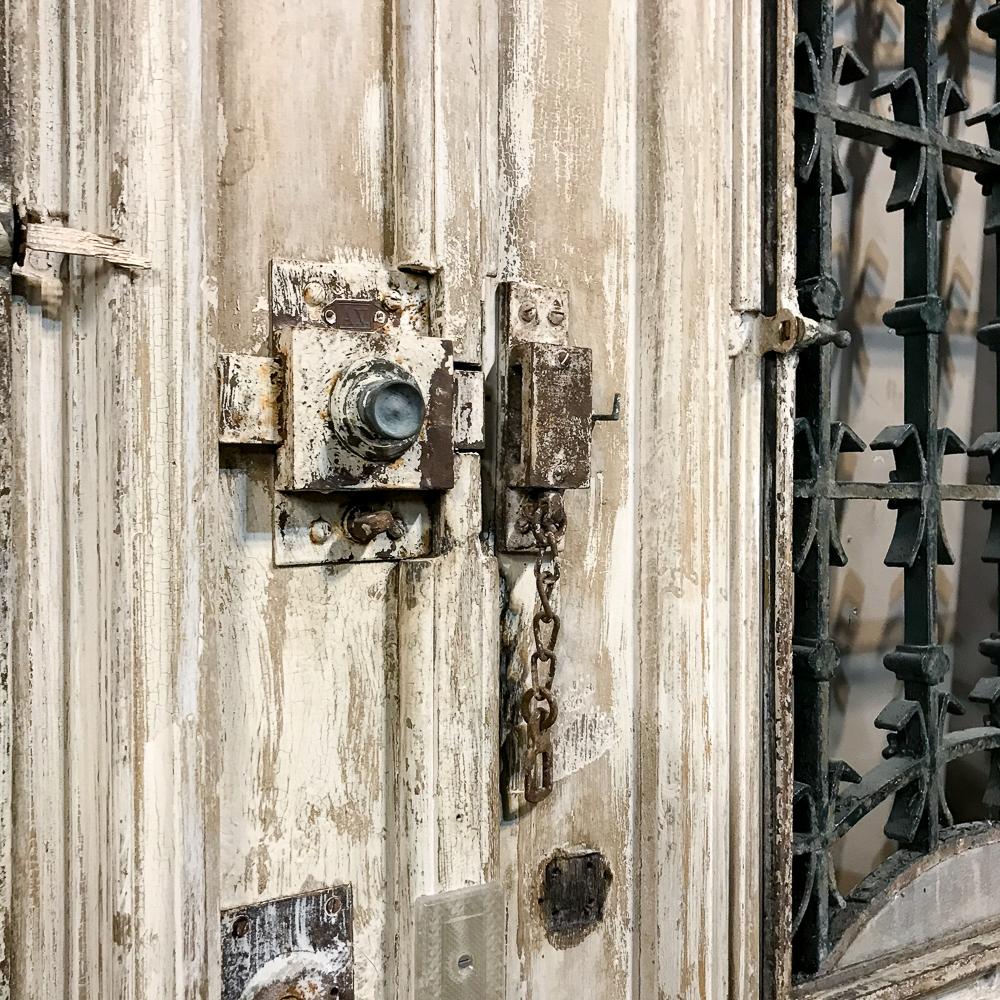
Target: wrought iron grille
830, 797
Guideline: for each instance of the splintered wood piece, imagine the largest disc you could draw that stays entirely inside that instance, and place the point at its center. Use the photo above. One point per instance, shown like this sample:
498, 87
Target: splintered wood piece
48, 238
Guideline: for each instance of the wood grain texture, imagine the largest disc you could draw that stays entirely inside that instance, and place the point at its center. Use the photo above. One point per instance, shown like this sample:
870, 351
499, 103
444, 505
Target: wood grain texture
358, 701
8, 459
80, 243
111, 718
568, 159
444, 166
686, 534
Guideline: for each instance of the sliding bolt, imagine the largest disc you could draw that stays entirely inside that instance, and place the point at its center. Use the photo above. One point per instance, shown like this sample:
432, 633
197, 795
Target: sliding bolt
363, 526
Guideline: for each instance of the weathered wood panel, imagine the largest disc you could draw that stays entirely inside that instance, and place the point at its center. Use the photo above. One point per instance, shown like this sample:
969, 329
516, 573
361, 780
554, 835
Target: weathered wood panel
568, 149
110, 717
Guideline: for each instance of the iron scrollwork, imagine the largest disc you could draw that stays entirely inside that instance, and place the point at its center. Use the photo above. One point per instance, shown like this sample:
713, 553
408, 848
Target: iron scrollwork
830, 796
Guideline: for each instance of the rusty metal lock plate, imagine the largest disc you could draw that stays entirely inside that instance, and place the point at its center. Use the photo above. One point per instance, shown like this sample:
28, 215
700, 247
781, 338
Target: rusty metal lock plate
299, 946
574, 891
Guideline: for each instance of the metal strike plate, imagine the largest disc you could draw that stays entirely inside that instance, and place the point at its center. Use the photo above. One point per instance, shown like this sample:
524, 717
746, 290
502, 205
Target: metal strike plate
299, 946
250, 391
459, 944
574, 893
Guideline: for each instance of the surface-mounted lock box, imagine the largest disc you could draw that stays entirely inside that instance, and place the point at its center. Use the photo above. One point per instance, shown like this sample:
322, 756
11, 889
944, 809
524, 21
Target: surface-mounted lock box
369, 397
550, 391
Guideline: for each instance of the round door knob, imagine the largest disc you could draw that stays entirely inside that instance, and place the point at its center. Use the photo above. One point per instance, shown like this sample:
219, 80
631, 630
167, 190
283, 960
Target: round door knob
377, 409
392, 410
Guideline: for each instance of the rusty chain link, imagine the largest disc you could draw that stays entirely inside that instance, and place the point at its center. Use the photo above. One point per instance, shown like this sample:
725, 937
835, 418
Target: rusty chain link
545, 520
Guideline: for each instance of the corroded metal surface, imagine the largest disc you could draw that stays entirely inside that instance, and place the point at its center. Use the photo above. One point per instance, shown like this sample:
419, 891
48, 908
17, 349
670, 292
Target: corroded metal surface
300, 947
250, 389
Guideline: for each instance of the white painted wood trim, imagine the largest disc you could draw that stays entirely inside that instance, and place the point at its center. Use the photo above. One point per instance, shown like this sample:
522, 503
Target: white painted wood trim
113, 709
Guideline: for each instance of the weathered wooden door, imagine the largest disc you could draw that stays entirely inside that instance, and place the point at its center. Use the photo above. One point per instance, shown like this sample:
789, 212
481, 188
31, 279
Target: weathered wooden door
269, 551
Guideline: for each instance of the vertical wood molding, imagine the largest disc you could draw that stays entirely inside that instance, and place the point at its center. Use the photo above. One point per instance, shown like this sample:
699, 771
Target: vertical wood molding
444, 129
686, 532
113, 712
7, 550
443, 725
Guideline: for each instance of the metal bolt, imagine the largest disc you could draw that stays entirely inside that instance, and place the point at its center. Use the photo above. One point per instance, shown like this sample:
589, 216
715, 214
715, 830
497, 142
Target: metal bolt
528, 313
320, 531
330, 316
380, 317
557, 317
363, 526
241, 926
314, 293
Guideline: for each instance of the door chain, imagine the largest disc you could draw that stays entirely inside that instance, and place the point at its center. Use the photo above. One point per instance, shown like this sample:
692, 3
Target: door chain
545, 519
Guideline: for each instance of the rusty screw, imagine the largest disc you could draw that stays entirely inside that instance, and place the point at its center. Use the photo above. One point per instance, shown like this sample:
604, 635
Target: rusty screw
528, 313
330, 316
380, 317
241, 926
363, 526
319, 531
314, 294
557, 317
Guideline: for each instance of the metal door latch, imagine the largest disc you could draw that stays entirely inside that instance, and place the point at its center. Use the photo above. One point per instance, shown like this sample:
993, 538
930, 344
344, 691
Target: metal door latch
363, 406
545, 407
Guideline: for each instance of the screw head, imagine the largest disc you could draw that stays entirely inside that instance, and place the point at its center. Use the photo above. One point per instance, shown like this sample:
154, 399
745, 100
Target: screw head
314, 294
562, 358
380, 317
330, 316
333, 906
528, 313
557, 317
319, 531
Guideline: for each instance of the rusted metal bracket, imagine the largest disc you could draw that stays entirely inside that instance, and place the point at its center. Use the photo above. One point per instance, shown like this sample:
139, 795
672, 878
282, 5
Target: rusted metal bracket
299, 946
544, 402
790, 331
363, 407
573, 895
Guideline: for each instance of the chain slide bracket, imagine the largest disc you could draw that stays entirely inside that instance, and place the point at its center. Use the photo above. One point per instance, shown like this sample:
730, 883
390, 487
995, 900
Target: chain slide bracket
545, 421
